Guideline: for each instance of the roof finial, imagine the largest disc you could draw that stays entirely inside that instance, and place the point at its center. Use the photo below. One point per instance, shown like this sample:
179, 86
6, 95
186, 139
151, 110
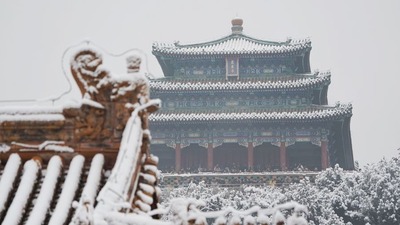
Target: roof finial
237, 26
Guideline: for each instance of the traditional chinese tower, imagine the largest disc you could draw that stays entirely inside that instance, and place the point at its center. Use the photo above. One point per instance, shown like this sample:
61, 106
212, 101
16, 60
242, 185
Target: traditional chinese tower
244, 103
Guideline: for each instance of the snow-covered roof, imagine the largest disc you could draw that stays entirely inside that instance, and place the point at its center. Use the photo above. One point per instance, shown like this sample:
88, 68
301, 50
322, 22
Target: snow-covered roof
233, 44
290, 82
283, 114
32, 113
116, 192
39, 208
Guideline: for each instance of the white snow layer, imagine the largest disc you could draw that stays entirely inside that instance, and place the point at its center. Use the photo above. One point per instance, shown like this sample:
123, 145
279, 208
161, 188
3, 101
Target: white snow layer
147, 199
114, 195
296, 220
33, 117
4, 148
147, 188
70, 187
184, 209
94, 177
340, 110
233, 45
90, 190
235, 220
58, 148
17, 207
40, 146
47, 145
117, 218
42, 205
32, 113
249, 220
321, 78
7, 180
149, 178
25, 110
92, 103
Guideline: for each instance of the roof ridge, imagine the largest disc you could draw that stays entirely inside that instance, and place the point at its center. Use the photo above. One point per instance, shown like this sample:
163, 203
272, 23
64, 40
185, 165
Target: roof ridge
233, 37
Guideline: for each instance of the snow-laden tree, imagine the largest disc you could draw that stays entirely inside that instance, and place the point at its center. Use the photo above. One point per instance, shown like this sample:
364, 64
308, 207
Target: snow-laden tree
317, 199
370, 195
217, 198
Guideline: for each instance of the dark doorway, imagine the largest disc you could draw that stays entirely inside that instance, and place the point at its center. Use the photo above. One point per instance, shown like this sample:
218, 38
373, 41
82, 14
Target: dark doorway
304, 156
231, 157
194, 158
166, 156
266, 157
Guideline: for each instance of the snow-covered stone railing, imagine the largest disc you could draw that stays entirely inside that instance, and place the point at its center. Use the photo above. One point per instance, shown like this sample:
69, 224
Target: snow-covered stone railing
309, 113
188, 212
114, 197
302, 82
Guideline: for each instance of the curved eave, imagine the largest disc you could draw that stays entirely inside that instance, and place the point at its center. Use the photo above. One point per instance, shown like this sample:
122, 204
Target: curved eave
339, 112
165, 66
238, 121
347, 144
320, 94
324, 95
301, 84
241, 54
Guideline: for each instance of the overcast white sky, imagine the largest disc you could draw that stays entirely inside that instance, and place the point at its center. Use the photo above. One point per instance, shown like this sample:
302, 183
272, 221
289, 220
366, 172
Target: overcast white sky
357, 40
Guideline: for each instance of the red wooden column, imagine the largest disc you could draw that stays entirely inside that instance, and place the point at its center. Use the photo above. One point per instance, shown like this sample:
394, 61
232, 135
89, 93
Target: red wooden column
250, 155
178, 157
282, 154
210, 157
324, 155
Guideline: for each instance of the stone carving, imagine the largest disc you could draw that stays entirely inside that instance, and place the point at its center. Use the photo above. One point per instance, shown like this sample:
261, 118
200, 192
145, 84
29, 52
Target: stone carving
90, 124
107, 102
109, 98
316, 141
98, 84
133, 63
86, 70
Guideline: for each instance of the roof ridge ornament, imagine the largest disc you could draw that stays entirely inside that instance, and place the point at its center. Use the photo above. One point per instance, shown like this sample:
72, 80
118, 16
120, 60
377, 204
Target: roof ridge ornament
237, 27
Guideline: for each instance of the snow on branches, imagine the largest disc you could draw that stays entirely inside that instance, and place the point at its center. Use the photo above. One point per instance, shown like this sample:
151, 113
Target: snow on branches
370, 195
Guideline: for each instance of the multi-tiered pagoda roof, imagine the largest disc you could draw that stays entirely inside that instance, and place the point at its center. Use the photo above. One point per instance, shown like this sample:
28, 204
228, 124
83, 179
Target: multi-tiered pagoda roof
256, 92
